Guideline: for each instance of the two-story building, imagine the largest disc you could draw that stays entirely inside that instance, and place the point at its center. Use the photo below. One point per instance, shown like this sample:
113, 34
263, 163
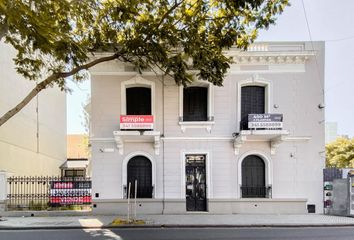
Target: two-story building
255, 145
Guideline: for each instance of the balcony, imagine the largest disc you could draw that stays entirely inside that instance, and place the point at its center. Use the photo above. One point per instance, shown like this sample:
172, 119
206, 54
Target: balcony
137, 128
261, 127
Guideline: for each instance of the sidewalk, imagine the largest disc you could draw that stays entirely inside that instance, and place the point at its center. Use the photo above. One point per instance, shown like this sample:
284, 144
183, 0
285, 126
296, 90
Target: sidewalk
198, 220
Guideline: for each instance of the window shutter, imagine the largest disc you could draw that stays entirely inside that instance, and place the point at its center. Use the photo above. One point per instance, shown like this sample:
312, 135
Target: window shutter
252, 102
139, 168
253, 177
138, 101
195, 104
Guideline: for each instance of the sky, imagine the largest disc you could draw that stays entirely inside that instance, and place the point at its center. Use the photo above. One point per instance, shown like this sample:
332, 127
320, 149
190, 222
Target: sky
74, 105
327, 20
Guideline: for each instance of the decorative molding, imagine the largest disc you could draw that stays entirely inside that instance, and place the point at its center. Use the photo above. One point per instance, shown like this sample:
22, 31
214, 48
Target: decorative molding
119, 144
135, 136
216, 138
125, 169
200, 124
268, 167
137, 80
274, 137
254, 80
238, 142
207, 125
157, 145
266, 58
297, 138
274, 143
197, 138
122, 73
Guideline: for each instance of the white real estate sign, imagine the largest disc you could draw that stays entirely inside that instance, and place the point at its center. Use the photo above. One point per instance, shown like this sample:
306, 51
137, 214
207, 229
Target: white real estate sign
266, 121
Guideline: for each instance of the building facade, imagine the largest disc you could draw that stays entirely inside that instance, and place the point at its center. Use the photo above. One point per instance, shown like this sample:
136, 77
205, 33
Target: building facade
255, 145
33, 142
77, 163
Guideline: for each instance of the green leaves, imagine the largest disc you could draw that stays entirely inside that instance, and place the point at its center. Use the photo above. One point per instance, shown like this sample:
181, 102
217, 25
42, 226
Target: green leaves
179, 37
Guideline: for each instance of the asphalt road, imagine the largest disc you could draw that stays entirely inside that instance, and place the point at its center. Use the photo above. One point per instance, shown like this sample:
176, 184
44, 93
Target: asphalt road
339, 233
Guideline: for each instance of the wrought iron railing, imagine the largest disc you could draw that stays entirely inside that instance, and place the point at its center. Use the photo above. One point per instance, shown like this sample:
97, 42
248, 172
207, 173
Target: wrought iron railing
256, 192
47, 192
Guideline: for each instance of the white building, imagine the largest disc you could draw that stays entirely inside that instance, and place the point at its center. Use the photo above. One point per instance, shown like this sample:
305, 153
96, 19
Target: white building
33, 142
197, 152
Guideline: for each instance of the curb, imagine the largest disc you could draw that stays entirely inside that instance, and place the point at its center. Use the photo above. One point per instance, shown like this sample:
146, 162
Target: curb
179, 226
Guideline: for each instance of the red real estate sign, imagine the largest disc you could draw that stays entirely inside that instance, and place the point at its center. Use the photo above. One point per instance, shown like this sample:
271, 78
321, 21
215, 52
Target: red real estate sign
137, 122
70, 193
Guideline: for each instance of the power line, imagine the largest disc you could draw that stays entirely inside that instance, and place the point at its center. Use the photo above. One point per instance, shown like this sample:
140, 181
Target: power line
313, 48
341, 39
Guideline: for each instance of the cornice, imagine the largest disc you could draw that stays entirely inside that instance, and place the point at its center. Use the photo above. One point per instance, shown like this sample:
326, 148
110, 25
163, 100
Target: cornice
261, 58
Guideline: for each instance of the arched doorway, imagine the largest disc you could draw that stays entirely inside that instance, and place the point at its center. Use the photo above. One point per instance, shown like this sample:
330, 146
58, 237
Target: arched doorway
253, 177
139, 168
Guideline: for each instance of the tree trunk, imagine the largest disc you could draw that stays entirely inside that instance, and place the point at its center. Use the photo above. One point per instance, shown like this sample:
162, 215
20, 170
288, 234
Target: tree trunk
45, 83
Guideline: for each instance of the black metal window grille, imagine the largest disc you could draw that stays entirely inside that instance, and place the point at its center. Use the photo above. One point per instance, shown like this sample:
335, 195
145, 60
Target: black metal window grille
253, 178
252, 102
74, 173
47, 192
138, 100
139, 168
195, 104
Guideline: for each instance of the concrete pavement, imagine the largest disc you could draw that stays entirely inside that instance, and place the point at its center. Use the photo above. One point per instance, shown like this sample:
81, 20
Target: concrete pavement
190, 220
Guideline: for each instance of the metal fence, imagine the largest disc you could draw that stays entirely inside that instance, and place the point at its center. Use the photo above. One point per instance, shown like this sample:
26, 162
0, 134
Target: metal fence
48, 192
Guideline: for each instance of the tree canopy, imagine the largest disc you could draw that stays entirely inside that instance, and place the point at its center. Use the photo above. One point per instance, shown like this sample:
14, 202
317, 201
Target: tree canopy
56, 39
340, 153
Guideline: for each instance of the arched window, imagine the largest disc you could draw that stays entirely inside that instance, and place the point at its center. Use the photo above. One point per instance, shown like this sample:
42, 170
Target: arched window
252, 102
139, 170
253, 177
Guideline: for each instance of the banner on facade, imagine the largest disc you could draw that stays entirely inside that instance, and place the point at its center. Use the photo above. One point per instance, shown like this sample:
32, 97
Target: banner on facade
138, 122
265, 121
70, 192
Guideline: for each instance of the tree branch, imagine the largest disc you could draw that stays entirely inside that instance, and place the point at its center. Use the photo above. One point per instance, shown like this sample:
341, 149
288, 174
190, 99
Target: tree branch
49, 80
3, 30
168, 12
176, 4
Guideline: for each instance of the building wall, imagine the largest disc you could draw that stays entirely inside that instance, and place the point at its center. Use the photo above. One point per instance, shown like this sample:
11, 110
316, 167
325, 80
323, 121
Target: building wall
295, 170
77, 146
21, 153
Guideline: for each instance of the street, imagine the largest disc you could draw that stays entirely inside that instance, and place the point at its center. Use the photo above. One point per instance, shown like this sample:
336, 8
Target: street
327, 233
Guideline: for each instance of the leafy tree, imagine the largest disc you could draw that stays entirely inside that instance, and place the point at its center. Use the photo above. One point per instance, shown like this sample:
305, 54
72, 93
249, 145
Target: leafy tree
340, 153
56, 39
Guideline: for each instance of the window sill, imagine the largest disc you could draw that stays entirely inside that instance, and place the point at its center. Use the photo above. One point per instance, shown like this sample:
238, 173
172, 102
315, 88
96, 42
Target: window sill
207, 125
